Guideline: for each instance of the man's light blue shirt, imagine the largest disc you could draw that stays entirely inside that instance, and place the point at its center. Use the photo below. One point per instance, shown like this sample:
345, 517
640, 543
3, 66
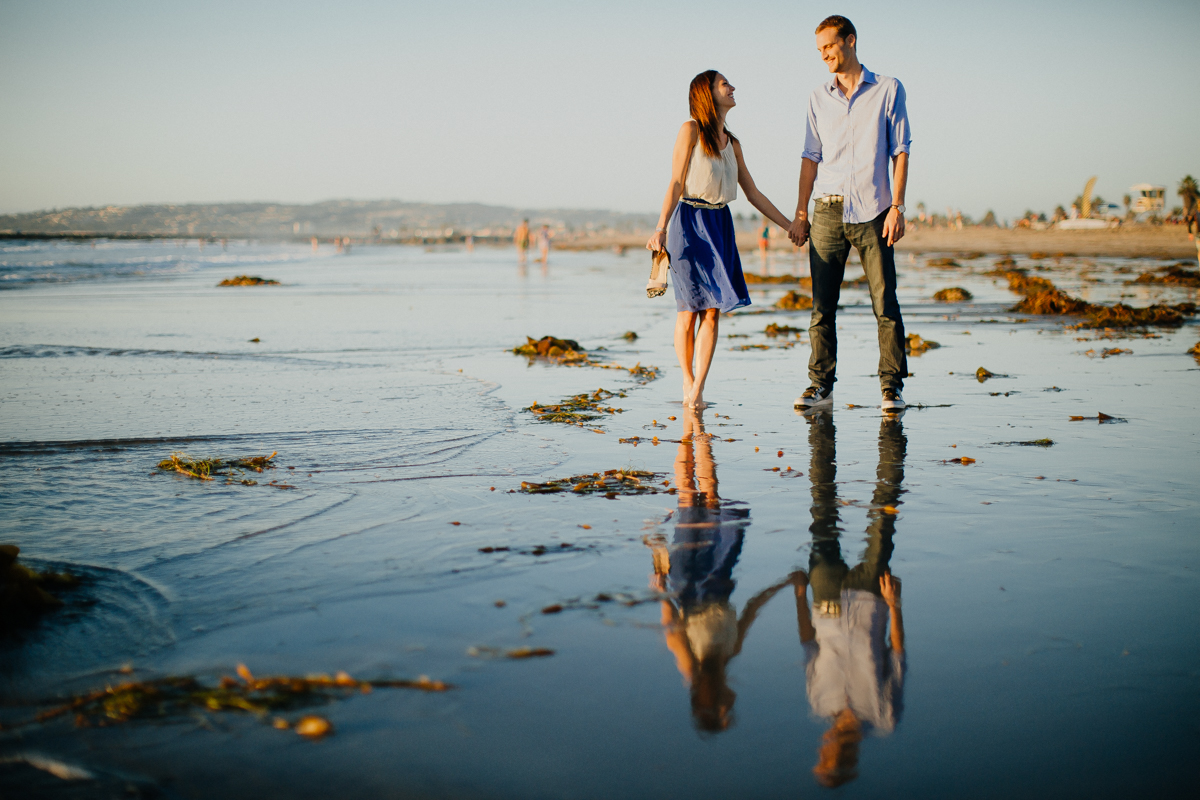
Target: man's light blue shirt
853, 139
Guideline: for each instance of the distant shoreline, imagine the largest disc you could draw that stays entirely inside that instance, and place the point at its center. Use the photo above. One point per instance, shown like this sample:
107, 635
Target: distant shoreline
1169, 242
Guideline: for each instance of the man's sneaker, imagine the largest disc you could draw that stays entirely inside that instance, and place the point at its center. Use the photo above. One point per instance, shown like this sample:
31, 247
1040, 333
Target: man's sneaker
814, 396
892, 400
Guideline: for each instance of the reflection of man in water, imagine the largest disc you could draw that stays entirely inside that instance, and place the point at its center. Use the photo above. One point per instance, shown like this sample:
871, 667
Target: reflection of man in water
854, 668
701, 626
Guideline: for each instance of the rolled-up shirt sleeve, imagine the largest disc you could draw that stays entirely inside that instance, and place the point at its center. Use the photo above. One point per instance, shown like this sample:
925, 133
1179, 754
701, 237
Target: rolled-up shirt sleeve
899, 135
812, 139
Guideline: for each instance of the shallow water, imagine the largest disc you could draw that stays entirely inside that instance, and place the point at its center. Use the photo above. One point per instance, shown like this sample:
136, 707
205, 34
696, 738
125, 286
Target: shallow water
1049, 646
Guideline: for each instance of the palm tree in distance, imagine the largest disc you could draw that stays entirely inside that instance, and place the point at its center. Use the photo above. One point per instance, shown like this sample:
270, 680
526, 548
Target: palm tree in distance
1189, 192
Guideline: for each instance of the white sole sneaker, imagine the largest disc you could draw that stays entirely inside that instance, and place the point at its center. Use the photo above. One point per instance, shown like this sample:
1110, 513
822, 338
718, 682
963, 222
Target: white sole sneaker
894, 405
813, 402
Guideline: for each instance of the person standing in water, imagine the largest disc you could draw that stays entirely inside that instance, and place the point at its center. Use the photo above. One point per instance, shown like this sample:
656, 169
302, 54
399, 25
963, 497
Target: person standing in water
764, 239
696, 228
543, 240
857, 122
521, 240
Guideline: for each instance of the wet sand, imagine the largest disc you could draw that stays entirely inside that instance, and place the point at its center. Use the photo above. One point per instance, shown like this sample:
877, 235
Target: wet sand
1169, 241
1047, 644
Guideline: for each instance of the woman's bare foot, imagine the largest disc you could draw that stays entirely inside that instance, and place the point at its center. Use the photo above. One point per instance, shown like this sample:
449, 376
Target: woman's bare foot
695, 401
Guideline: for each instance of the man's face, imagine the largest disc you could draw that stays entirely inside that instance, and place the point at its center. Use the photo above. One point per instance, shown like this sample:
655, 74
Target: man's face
833, 49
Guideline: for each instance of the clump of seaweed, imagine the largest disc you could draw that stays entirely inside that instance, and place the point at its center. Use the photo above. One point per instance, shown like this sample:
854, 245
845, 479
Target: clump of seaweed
552, 347
943, 263
1042, 297
775, 329
175, 696
1194, 350
1030, 443
567, 352
914, 345
24, 592
578, 409
953, 294
794, 301
609, 483
983, 373
248, 280
1174, 275
1123, 316
205, 468
629, 336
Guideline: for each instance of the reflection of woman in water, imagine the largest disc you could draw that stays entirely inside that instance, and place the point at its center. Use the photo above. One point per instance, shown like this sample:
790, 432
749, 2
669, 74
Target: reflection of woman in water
701, 626
854, 643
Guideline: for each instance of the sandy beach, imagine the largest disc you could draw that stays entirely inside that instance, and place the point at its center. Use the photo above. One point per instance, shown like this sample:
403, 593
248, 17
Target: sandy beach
1128, 242
480, 634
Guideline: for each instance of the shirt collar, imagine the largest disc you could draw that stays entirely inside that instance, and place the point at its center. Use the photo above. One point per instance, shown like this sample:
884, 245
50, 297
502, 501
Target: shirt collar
867, 77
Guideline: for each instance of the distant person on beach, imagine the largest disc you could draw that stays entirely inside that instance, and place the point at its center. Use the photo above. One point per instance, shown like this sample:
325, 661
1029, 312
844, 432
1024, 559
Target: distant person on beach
543, 240
696, 227
521, 240
764, 238
857, 122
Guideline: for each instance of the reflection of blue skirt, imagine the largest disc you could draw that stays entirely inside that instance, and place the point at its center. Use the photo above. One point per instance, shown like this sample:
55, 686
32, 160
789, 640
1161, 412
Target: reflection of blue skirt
704, 259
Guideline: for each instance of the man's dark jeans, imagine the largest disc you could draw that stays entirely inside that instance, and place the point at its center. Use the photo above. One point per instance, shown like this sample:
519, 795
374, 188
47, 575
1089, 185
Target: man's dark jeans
829, 245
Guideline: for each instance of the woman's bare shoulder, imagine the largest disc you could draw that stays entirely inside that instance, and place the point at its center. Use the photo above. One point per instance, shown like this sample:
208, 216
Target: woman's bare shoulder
691, 129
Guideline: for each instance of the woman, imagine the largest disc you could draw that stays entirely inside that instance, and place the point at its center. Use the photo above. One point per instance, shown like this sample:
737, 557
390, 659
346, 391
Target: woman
696, 228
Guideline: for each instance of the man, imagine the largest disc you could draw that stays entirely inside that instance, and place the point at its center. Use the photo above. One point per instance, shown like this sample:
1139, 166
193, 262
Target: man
521, 240
856, 123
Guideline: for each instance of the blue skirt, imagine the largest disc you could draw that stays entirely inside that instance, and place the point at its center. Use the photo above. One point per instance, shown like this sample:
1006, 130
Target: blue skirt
704, 259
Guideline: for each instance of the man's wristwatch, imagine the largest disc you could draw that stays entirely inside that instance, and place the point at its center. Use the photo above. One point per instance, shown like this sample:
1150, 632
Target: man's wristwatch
899, 208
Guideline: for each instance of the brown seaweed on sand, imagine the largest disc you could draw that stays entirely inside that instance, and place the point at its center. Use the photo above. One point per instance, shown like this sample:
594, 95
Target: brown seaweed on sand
943, 263
794, 301
781, 330
1042, 297
24, 592
953, 294
1194, 350
578, 409
609, 483
205, 468
178, 696
914, 345
1174, 275
248, 280
567, 352
777, 279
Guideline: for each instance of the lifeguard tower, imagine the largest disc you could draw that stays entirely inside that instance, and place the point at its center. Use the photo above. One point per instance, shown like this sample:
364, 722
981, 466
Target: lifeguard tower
1148, 198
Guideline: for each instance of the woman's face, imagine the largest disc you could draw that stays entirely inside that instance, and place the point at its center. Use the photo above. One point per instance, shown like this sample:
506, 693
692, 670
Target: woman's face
723, 92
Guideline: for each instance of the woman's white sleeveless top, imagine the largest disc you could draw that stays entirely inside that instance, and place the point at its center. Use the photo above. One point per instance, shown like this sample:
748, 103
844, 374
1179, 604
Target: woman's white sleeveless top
713, 180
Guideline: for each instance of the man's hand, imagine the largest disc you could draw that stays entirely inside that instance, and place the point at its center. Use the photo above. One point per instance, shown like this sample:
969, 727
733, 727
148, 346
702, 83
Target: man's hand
798, 233
893, 226
889, 587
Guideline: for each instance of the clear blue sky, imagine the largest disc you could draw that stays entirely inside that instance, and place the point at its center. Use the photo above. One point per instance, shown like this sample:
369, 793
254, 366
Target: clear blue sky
541, 104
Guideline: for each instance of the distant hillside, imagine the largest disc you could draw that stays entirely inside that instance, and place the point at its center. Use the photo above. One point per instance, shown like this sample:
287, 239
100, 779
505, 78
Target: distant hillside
358, 218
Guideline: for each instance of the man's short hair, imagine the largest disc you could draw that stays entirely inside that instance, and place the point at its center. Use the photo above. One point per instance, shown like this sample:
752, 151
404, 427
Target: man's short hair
845, 28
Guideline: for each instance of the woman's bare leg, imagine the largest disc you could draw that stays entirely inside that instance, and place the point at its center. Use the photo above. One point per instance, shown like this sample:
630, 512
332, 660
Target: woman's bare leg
706, 344
685, 346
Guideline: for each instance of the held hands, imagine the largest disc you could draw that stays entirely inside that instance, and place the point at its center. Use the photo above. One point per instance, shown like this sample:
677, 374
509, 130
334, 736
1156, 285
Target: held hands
657, 242
798, 233
893, 226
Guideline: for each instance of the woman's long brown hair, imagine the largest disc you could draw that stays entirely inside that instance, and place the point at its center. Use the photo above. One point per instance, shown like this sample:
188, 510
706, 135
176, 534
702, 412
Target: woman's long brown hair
704, 110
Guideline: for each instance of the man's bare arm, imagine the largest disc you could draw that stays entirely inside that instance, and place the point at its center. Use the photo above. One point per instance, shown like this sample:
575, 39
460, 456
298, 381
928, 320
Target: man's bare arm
808, 176
893, 226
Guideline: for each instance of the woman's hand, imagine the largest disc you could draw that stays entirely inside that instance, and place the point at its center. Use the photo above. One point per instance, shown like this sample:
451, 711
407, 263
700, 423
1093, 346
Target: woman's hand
657, 242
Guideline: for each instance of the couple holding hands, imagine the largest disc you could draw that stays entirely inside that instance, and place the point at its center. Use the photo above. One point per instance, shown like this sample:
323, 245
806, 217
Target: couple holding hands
857, 123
